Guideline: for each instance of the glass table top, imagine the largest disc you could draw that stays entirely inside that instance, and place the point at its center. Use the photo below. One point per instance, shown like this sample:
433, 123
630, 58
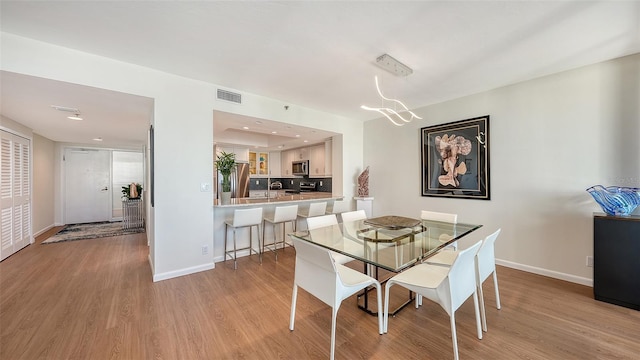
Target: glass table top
385, 242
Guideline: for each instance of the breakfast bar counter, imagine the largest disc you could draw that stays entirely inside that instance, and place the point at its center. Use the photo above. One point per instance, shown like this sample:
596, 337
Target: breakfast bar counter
280, 200
221, 212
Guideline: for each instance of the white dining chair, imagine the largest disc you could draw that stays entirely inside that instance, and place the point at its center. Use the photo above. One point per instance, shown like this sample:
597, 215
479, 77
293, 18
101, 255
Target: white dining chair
442, 217
356, 215
449, 287
328, 220
314, 209
338, 207
485, 266
282, 215
317, 273
242, 218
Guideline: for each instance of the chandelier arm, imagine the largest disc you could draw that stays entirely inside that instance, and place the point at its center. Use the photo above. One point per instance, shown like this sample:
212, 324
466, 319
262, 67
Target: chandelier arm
383, 113
395, 100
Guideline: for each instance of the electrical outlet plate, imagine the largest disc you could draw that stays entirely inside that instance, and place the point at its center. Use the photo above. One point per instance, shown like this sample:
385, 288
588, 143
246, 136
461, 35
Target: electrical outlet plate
589, 261
205, 249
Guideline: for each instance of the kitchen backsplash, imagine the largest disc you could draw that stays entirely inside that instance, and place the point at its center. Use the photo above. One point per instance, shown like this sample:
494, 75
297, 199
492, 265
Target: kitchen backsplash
290, 184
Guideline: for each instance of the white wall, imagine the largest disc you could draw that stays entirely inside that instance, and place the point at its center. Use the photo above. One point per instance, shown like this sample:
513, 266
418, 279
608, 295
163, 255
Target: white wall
43, 171
182, 218
551, 138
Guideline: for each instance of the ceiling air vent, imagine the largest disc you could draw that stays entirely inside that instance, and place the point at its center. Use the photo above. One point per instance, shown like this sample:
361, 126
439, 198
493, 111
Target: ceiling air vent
229, 96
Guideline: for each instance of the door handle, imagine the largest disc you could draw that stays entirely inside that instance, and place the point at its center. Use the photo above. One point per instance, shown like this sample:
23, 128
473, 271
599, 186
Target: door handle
104, 189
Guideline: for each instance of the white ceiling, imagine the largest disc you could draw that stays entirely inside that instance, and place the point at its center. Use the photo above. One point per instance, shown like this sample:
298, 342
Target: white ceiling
321, 54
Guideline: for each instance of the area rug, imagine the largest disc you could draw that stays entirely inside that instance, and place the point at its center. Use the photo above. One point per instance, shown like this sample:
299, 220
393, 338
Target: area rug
91, 231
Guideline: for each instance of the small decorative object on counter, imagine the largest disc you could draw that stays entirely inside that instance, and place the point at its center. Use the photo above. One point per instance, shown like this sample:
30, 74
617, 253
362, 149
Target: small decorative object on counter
616, 200
132, 191
363, 183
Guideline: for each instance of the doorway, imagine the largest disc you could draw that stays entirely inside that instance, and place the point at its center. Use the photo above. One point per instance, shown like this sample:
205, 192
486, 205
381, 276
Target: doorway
87, 185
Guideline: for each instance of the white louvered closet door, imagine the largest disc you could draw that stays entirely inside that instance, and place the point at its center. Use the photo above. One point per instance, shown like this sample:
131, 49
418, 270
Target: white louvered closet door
15, 194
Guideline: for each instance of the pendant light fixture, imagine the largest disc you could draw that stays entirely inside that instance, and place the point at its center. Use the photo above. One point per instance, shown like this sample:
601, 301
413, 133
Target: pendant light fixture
397, 116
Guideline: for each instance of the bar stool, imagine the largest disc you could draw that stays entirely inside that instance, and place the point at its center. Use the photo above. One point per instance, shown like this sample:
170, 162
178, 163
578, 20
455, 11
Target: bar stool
315, 209
242, 218
282, 215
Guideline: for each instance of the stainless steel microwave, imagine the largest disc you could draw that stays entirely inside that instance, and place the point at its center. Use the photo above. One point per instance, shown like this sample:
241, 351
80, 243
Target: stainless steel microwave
300, 167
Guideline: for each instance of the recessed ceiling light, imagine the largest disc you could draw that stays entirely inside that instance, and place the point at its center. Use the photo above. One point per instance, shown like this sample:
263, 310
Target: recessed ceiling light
306, 141
97, 139
65, 108
245, 127
274, 132
75, 117
297, 135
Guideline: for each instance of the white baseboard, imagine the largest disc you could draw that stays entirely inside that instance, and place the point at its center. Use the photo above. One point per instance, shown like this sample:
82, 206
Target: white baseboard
44, 230
182, 272
548, 273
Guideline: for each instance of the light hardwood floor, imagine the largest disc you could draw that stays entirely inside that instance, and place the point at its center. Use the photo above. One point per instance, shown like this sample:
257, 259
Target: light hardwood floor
94, 299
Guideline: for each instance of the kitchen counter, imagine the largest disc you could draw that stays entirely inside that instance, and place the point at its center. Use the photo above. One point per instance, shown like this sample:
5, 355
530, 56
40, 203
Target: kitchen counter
302, 197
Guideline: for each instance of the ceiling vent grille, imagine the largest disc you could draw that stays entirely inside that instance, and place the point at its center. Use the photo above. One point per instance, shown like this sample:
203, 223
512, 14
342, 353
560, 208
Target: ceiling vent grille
229, 96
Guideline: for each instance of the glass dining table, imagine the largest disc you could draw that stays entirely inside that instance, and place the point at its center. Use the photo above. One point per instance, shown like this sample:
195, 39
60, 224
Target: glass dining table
392, 243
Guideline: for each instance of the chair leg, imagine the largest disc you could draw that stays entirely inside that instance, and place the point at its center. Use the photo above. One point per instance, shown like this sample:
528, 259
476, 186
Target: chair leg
380, 314
483, 315
495, 284
454, 338
235, 254
226, 232
385, 321
262, 249
294, 298
334, 316
477, 311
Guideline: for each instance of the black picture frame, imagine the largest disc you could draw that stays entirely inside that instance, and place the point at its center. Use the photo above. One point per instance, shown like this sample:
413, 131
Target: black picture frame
151, 166
455, 159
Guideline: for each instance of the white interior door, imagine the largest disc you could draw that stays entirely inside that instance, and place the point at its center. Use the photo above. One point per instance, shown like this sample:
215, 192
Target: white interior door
87, 185
15, 193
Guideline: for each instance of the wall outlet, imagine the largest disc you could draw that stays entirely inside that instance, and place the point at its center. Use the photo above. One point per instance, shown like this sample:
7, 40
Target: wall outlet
291, 182
320, 183
205, 249
257, 182
589, 261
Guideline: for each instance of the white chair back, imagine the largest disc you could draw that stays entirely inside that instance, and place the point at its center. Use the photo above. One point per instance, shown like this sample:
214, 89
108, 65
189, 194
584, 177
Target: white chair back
285, 213
317, 209
340, 206
315, 271
438, 216
461, 280
247, 217
350, 216
321, 221
486, 257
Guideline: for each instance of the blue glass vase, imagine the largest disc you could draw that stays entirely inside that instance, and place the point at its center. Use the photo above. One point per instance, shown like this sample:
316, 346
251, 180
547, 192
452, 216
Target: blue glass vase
616, 200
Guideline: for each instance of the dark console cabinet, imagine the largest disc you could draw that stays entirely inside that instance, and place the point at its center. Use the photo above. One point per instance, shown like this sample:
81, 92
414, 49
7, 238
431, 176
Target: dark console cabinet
616, 260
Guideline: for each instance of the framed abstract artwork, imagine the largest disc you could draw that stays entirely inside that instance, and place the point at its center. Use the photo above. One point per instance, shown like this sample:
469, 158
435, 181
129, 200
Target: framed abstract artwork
455, 159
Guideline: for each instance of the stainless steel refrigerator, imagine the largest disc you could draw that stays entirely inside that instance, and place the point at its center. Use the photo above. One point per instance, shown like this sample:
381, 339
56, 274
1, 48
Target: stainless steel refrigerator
239, 181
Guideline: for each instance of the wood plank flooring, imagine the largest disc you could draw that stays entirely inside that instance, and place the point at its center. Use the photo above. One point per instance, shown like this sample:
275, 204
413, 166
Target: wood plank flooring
95, 299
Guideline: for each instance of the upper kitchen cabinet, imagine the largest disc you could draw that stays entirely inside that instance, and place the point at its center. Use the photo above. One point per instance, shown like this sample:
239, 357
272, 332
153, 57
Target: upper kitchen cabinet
286, 157
320, 159
242, 153
275, 164
258, 163
316, 160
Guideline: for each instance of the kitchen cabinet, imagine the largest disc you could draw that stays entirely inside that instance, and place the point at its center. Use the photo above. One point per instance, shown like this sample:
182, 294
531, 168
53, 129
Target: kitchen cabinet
328, 160
316, 160
275, 164
286, 158
241, 153
258, 163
